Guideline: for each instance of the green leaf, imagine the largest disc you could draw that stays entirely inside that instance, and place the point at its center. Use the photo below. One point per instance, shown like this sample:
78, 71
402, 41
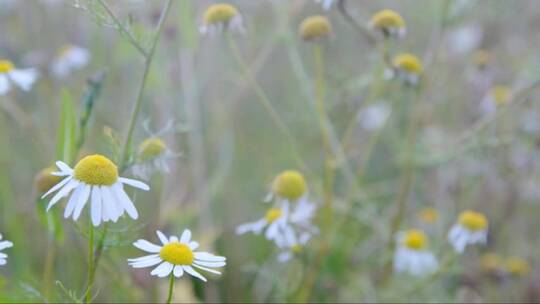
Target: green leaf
67, 129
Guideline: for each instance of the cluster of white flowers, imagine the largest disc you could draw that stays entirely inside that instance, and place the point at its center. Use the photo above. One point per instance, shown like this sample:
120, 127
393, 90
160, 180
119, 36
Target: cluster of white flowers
288, 222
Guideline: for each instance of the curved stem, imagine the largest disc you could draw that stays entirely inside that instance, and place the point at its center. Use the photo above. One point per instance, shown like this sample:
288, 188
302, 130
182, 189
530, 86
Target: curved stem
90, 270
264, 100
171, 287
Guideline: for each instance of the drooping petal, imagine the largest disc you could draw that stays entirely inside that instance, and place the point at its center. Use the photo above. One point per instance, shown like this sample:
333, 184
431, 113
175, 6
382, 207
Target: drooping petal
208, 257
73, 201
207, 269
134, 183
163, 270
193, 272
24, 78
4, 84
81, 201
95, 210
178, 271
63, 192
123, 198
147, 246
57, 186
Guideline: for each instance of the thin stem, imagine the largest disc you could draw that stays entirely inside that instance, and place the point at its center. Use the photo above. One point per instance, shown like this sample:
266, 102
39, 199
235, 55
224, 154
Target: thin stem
90, 267
137, 107
263, 99
356, 25
123, 29
48, 267
171, 287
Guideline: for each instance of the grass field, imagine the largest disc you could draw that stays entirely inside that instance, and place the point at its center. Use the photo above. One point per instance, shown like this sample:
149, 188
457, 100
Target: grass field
389, 149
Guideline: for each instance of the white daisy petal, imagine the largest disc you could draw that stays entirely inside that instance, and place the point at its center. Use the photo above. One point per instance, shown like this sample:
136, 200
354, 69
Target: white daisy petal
4, 84
134, 183
178, 271
73, 201
72, 184
81, 201
193, 272
147, 246
5, 244
163, 270
207, 269
123, 198
148, 262
193, 245
209, 264
173, 239
208, 257
24, 78
63, 167
186, 236
162, 237
111, 201
95, 211
2, 262
57, 186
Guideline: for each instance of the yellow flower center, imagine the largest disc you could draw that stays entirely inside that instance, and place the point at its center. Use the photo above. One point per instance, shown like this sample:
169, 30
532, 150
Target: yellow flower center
517, 266
151, 148
218, 13
296, 248
44, 180
429, 215
473, 221
387, 19
96, 170
415, 239
501, 94
315, 27
6, 66
409, 63
273, 214
289, 184
490, 262
177, 254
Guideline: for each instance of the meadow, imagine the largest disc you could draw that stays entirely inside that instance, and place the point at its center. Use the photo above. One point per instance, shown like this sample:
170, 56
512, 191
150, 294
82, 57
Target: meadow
181, 151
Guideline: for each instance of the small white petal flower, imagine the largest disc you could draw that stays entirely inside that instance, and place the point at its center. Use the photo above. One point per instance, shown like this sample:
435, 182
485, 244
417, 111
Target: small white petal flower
497, 97
69, 59
9, 75
274, 224
94, 178
3, 245
219, 18
388, 23
177, 256
292, 245
374, 116
407, 68
471, 228
412, 256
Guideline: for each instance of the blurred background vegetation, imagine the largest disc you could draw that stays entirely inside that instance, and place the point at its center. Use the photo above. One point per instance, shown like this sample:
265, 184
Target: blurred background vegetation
463, 158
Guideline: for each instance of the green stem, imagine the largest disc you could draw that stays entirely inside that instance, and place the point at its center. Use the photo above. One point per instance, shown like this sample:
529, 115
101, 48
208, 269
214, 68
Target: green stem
90, 269
171, 287
263, 99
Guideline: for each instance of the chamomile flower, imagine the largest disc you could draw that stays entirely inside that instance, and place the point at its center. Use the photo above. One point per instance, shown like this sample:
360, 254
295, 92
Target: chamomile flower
387, 23
471, 228
275, 221
406, 67
94, 178
497, 96
292, 245
221, 17
412, 255
315, 28
176, 256
9, 75
517, 266
3, 245
69, 58
326, 4
153, 154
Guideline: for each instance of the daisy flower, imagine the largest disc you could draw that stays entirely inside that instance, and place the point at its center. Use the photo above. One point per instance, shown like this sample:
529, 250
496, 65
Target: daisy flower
406, 67
153, 154
412, 255
94, 177
387, 23
326, 4
9, 75
291, 245
176, 256
315, 28
69, 58
4, 245
221, 17
287, 188
471, 228
497, 96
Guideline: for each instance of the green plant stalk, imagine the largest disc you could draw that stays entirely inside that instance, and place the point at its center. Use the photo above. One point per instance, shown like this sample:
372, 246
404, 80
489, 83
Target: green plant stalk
129, 138
90, 268
171, 287
265, 101
329, 176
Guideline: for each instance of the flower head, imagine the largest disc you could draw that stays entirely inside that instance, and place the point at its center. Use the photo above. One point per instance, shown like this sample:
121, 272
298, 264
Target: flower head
176, 256
388, 23
221, 17
275, 221
95, 177
45, 180
407, 67
471, 228
69, 58
289, 185
496, 97
315, 28
9, 75
412, 254
517, 266
4, 245
292, 245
